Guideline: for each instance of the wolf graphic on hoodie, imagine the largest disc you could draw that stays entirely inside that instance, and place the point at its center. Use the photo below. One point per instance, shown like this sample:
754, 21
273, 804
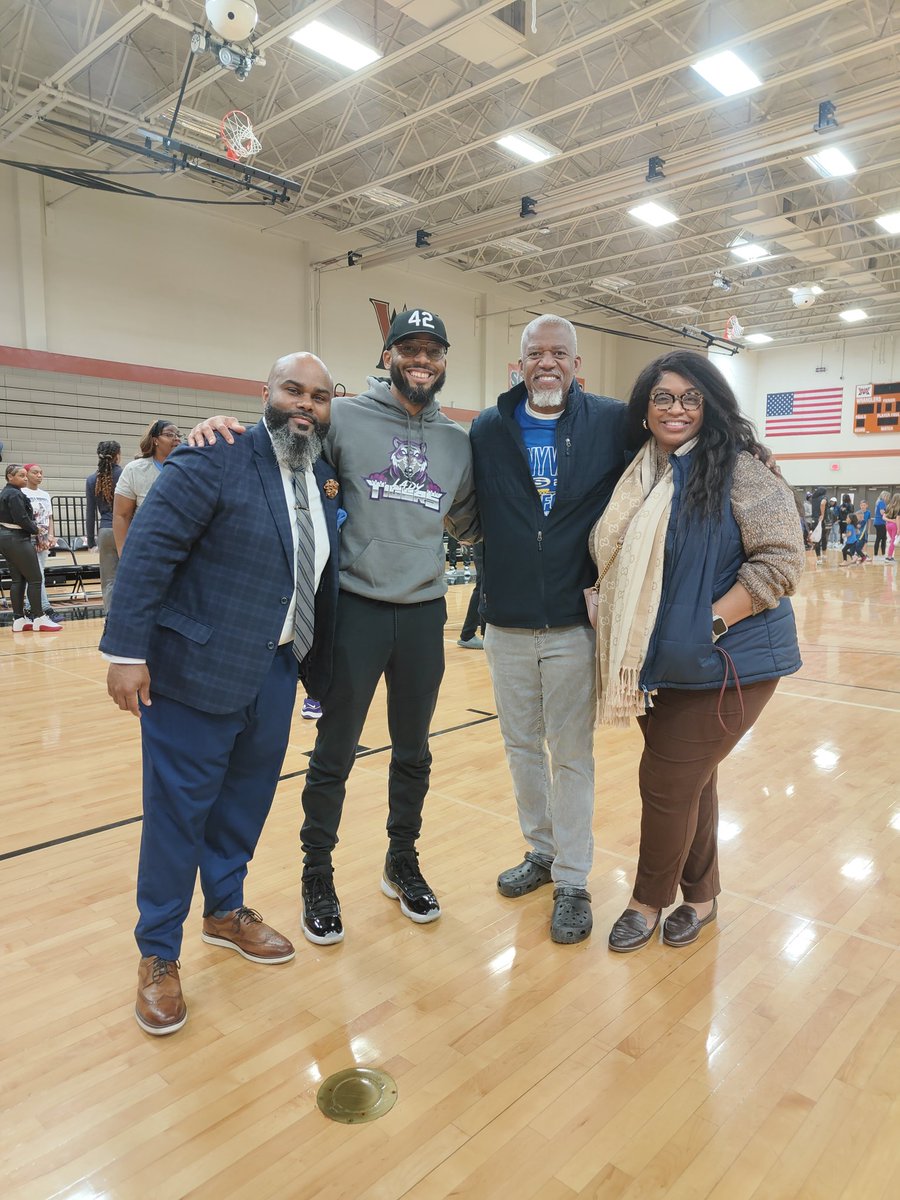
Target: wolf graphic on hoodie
382, 454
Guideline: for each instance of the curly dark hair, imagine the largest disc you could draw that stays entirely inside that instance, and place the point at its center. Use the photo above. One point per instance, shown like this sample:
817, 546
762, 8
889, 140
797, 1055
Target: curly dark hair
724, 434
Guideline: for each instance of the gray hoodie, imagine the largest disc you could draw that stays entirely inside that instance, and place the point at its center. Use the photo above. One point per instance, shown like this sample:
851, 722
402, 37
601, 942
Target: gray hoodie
403, 477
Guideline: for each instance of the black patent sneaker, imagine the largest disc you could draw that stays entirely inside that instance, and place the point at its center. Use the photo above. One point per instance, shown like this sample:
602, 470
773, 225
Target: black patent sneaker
402, 880
321, 914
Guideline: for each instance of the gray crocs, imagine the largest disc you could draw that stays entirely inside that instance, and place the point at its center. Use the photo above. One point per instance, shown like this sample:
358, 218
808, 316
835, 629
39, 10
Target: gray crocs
572, 920
527, 877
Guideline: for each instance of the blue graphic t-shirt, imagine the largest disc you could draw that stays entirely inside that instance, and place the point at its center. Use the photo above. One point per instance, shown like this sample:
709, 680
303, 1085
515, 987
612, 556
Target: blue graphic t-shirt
539, 434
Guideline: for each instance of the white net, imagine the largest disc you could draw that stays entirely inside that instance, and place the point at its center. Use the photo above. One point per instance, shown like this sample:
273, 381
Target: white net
238, 136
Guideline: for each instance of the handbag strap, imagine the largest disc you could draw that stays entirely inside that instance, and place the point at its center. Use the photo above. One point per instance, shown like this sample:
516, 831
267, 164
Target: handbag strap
609, 563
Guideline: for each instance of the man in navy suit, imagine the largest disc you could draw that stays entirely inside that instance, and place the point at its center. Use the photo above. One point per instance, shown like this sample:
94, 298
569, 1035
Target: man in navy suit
227, 585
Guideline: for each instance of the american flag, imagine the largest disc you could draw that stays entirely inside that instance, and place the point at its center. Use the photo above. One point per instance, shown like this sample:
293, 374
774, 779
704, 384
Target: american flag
797, 413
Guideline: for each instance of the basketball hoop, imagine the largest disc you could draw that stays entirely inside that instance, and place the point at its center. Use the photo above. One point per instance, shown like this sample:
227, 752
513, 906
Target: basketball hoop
733, 329
237, 134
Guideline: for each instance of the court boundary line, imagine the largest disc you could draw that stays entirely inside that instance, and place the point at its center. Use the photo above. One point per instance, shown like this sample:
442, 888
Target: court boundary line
83, 833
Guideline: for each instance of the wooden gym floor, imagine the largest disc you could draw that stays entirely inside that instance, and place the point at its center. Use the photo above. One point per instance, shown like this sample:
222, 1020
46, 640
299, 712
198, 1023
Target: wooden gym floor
762, 1063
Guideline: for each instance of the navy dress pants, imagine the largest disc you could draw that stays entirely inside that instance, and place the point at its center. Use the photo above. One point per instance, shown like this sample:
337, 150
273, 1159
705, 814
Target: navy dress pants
209, 781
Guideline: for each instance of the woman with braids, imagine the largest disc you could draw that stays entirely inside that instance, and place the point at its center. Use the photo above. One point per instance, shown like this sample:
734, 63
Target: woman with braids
99, 490
17, 528
696, 553
139, 476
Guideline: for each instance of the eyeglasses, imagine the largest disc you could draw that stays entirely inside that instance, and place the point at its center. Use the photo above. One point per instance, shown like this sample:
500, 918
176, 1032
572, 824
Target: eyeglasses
433, 351
690, 401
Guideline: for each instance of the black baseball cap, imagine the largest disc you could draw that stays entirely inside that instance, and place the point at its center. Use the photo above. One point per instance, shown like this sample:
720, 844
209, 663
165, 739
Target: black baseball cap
416, 320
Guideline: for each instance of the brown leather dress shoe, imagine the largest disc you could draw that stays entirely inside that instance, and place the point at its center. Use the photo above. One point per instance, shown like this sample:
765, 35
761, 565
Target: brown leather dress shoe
160, 1006
244, 930
682, 926
631, 931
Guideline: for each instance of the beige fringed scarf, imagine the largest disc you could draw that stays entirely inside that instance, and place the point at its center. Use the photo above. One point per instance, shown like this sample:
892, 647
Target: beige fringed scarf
636, 520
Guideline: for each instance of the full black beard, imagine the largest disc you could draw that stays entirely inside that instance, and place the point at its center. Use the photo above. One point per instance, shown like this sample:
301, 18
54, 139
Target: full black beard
416, 395
294, 451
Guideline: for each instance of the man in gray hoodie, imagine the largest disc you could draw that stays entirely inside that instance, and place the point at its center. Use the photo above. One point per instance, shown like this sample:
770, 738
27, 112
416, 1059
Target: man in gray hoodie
406, 472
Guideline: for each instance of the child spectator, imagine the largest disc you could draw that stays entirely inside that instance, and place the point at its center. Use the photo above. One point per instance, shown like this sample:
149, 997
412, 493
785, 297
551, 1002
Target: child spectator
852, 541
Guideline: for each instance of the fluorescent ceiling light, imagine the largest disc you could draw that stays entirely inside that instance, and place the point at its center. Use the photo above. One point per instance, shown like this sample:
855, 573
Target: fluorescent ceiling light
831, 162
727, 73
383, 195
750, 251
518, 245
814, 288
612, 283
759, 338
853, 314
890, 222
652, 214
324, 40
526, 147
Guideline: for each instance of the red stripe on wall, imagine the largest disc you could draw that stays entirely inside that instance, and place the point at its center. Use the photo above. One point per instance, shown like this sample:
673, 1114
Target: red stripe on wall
100, 368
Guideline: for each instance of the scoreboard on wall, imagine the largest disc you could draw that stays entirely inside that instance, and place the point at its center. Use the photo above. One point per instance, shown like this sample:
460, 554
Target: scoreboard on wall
877, 408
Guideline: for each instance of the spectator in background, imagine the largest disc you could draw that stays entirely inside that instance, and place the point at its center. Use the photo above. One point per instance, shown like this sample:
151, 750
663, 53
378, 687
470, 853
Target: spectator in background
45, 538
817, 525
865, 520
99, 492
468, 635
844, 511
17, 528
891, 518
852, 541
139, 476
879, 525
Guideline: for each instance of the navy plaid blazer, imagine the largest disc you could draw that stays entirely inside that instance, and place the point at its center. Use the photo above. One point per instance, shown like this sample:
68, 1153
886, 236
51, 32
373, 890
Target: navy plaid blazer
208, 571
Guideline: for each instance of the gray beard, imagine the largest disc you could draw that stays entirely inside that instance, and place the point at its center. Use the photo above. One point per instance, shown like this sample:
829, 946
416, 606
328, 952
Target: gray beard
546, 399
295, 452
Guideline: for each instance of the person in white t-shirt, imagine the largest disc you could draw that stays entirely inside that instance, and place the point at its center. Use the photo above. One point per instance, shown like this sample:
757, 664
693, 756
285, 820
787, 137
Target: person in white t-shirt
45, 538
140, 474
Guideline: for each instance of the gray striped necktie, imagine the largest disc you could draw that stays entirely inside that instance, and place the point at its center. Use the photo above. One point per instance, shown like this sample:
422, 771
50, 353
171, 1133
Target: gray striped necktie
304, 596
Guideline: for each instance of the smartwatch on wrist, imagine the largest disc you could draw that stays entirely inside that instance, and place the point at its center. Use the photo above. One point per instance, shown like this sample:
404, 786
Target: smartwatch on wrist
719, 626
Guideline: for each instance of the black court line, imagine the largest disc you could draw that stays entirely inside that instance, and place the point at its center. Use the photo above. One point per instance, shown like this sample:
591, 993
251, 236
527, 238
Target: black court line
361, 753
862, 687
69, 837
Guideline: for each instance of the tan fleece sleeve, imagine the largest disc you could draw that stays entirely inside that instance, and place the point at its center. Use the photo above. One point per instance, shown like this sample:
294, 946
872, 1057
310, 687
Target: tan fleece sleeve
770, 531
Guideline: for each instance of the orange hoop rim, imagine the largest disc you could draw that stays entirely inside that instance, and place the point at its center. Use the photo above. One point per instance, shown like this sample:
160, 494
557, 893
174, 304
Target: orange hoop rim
236, 132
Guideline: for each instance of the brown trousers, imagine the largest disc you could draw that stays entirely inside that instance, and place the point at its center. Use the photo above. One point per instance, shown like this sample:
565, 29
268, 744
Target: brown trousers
684, 743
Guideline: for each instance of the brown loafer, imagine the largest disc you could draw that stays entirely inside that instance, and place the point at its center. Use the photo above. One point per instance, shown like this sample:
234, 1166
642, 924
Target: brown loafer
683, 926
160, 1007
631, 931
244, 930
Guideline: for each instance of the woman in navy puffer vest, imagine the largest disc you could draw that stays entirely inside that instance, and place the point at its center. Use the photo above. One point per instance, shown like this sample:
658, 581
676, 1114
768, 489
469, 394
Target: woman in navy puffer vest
696, 553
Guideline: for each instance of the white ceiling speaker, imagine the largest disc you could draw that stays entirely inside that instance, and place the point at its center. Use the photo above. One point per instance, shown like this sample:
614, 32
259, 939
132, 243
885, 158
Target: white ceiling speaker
803, 297
233, 20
